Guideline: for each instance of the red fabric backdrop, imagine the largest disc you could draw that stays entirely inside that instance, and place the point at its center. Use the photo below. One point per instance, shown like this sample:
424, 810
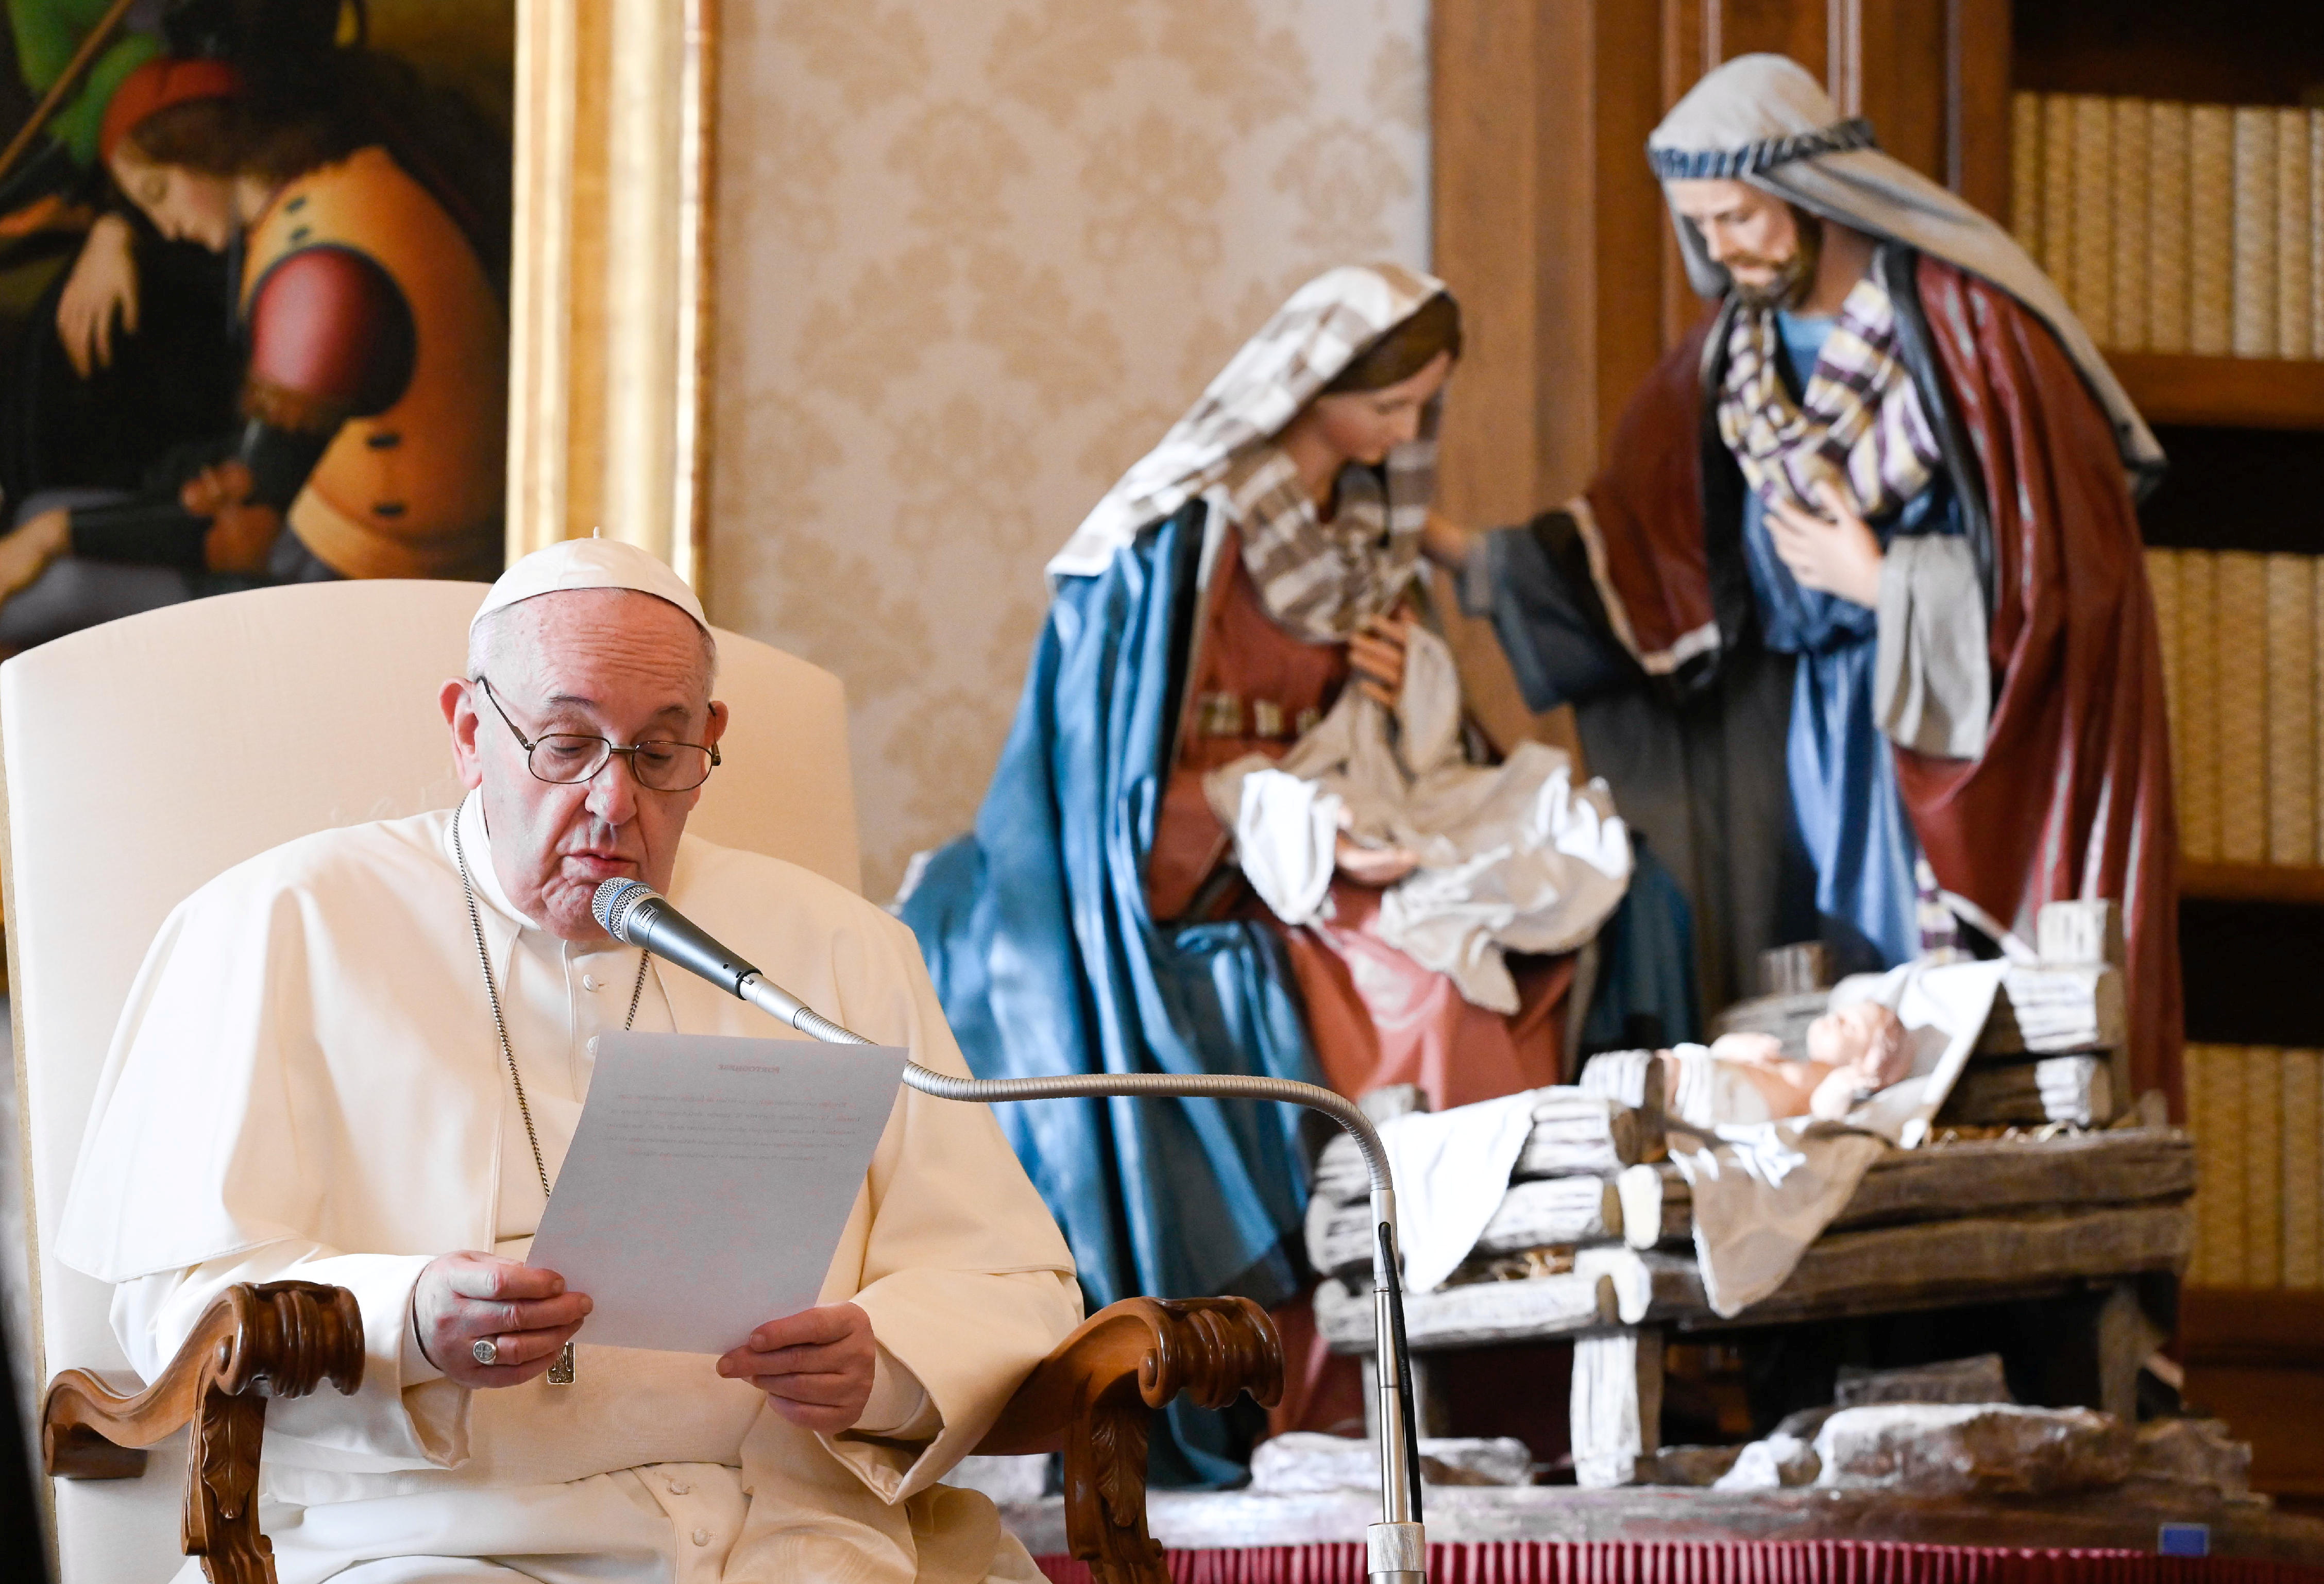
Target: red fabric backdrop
1814, 1561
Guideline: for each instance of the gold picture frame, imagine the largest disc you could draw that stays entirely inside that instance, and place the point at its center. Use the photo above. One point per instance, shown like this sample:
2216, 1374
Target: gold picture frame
610, 314
610, 284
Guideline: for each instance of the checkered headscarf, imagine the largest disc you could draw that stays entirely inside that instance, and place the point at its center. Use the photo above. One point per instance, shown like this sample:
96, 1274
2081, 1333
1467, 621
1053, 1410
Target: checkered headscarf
1319, 579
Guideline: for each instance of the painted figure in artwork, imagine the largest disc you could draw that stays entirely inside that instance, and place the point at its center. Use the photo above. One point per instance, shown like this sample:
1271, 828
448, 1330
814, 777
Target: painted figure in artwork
122, 344
1212, 843
1878, 509
374, 390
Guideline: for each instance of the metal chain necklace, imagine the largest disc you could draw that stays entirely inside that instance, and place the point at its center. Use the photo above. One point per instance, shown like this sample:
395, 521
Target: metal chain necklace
561, 1372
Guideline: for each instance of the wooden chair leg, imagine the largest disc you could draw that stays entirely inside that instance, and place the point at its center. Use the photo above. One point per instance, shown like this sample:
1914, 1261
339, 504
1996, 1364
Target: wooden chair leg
275, 1340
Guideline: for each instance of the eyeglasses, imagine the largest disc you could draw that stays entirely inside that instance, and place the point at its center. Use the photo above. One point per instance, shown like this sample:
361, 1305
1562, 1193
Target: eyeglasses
564, 757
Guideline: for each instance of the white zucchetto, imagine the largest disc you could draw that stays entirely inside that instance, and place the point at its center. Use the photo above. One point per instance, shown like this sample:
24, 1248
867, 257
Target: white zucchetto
590, 563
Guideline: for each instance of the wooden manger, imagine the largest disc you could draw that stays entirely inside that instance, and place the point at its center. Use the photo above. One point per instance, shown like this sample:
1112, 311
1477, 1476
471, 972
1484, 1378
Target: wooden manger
2039, 1186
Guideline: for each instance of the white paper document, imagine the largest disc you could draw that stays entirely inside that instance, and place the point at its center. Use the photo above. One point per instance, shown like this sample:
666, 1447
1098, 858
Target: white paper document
709, 1181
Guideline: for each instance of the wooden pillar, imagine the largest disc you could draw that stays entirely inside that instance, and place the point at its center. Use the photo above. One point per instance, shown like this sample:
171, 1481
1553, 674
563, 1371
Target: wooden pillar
1543, 208
1616, 1403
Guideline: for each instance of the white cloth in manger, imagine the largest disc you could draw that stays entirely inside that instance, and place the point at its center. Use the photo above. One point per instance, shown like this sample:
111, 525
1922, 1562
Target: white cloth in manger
1451, 1170
1513, 857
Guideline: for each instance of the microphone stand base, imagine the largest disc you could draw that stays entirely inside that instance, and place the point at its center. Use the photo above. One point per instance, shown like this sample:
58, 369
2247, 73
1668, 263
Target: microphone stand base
1399, 1553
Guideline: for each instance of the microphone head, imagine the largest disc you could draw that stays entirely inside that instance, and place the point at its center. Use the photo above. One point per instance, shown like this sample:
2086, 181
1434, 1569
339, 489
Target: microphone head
615, 902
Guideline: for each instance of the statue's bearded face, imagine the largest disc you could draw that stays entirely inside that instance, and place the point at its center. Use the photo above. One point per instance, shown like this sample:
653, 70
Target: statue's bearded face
1767, 248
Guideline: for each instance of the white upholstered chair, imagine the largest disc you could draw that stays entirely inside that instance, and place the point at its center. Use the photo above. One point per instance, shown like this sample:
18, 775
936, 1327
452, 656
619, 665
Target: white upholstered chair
145, 756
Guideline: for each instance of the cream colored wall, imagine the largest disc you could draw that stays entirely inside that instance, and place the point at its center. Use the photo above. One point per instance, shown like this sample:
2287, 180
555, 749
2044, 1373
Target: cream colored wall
973, 258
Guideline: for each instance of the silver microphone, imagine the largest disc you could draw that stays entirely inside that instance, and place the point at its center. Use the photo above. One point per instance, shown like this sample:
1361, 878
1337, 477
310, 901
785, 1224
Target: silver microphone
636, 914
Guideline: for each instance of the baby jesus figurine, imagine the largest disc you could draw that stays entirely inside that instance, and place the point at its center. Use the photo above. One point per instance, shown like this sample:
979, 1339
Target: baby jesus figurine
1853, 1052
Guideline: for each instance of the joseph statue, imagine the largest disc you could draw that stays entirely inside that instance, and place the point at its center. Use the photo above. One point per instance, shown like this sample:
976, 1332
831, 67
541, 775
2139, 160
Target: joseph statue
359, 1059
1855, 610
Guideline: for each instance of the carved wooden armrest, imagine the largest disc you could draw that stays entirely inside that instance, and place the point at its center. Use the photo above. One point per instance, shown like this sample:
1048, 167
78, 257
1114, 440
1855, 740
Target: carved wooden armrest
1092, 1399
273, 1339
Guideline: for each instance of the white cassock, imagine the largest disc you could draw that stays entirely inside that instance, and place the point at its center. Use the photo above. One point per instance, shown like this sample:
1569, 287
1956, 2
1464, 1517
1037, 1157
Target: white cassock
307, 1084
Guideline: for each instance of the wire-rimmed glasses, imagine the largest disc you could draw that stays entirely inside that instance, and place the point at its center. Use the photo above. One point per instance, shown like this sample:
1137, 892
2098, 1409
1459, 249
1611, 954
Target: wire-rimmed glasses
564, 757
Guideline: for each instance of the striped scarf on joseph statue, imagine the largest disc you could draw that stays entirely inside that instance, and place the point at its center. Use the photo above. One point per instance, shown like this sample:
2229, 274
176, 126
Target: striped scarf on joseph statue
1857, 423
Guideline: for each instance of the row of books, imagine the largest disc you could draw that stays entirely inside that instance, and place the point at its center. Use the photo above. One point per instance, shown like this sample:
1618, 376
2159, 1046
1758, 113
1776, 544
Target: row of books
2257, 1115
2241, 656
2171, 227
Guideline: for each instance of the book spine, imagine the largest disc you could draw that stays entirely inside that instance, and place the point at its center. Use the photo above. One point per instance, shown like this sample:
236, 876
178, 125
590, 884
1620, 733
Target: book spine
2162, 587
2303, 1169
2242, 682
2294, 278
2126, 203
2025, 173
2093, 289
2315, 232
2263, 1141
2291, 709
2210, 228
2166, 228
2253, 247
2199, 710
2222, 1166
2195, 1078
2058, 193
2316, 624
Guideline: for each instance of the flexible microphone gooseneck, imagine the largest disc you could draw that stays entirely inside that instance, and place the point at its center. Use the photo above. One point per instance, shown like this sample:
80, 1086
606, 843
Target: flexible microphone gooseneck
637, 915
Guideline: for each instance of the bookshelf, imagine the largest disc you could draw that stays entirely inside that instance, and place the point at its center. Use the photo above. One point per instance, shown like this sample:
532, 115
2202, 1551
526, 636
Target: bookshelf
2223, 392
2299, 884
2246, 436
1563, 250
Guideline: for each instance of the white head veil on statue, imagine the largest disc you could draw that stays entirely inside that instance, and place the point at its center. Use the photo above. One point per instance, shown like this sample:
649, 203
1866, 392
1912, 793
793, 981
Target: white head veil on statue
1303, 348
1763, 119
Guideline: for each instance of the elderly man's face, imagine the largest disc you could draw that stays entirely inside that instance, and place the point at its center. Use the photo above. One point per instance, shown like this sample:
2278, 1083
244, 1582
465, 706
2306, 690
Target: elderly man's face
625, 667
1752, 235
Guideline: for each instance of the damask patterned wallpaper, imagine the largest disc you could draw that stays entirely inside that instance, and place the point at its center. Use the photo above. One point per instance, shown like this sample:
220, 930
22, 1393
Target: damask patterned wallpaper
973, 257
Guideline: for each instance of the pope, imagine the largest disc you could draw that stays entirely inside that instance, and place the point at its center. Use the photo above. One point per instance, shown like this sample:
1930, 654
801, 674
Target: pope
359, 1059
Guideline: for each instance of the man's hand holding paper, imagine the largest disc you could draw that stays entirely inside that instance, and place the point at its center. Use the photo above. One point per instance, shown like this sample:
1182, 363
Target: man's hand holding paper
815, 1367
526, 1313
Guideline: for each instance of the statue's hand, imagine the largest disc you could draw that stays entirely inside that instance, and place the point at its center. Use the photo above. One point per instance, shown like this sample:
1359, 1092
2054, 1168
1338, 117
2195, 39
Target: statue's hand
241, 535
1836, 554
1376, 653
1445, 541
1374, 866
26, 553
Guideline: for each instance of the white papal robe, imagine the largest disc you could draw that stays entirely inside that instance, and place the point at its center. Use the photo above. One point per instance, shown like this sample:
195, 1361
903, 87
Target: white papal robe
306, 1083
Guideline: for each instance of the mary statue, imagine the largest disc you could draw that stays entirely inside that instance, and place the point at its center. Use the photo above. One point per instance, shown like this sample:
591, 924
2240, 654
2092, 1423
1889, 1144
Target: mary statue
1211, 612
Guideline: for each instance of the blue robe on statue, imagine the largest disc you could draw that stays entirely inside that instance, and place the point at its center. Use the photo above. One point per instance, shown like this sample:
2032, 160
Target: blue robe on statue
1846, 809
1037, 924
